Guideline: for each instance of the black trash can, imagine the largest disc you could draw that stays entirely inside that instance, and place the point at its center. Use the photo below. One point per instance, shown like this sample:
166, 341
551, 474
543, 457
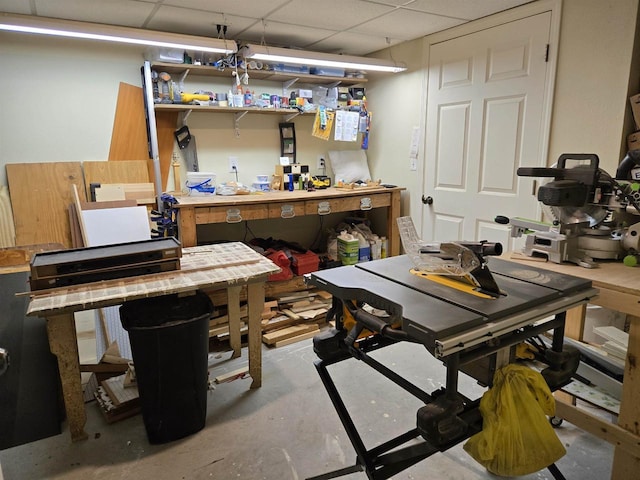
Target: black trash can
169, 338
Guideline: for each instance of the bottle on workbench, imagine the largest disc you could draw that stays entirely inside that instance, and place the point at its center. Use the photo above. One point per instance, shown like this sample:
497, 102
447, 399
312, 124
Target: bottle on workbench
364, 249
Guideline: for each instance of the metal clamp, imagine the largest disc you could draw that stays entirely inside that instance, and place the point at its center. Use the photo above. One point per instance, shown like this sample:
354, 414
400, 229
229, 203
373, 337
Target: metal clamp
324, 208
287, 211
365, 203
233, 215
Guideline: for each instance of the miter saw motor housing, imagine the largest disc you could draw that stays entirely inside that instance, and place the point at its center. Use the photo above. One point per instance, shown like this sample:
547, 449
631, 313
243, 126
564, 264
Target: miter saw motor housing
581, 198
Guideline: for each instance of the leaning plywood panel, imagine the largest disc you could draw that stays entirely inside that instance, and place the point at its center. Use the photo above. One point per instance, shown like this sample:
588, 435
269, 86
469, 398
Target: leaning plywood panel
40, 195
129, 135
7, 230
124, 171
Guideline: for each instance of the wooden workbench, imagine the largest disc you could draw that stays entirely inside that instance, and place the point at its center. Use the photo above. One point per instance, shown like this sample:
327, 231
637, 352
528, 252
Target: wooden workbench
227, 266
620, 291
193, 211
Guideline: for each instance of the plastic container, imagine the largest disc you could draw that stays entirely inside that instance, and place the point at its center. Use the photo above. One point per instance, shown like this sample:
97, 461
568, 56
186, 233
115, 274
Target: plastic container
261, 186
364, 249
262, 178
348, 248
169, 338
201, 184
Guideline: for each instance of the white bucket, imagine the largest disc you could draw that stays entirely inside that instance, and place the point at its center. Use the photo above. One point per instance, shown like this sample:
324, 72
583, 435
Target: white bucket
201, 184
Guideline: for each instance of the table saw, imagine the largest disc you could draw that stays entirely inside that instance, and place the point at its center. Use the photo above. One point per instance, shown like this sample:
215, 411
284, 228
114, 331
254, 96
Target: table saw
467, 331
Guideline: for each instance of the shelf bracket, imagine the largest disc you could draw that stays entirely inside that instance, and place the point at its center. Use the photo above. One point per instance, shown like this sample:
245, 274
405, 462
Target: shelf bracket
236, 121
288, 118
184, 115
286, 85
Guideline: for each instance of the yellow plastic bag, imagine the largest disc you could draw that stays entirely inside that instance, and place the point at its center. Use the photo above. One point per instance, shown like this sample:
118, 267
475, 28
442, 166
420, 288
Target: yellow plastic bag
516, 437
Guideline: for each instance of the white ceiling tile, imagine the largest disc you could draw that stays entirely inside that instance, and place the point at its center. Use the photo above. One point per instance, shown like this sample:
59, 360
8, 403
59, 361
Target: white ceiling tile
347, 26
241, 8
349, 43
97, 11
406, 25
195, 22
282, 34
467, 9
329, 14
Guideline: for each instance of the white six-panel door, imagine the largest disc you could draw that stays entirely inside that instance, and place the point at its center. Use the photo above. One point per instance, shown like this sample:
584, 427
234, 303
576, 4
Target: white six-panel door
485, 118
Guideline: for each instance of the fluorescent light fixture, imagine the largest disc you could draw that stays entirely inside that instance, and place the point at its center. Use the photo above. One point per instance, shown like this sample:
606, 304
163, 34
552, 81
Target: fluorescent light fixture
305, 57
112, 33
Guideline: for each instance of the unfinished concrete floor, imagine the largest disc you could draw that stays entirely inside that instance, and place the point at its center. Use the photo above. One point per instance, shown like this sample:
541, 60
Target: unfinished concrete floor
286, 430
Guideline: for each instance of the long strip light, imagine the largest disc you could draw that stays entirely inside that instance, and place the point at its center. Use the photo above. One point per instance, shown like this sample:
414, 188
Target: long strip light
112, 33
305, 57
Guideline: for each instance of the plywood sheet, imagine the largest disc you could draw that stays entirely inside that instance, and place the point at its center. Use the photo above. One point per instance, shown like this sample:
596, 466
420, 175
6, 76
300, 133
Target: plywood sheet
129, 134
40, 195
125, 171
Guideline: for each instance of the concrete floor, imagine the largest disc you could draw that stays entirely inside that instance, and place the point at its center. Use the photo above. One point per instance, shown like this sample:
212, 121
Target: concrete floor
285, 430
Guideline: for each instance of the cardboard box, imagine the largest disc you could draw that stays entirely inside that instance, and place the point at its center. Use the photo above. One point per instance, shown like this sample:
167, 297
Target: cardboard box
635, 108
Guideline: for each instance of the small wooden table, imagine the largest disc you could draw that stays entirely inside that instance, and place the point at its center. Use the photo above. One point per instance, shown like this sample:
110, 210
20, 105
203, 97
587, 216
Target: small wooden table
619, 287
227, 266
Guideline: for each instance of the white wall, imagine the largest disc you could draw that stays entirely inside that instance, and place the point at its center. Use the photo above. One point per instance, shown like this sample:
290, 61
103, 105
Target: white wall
594, 64
59, 102
590, 112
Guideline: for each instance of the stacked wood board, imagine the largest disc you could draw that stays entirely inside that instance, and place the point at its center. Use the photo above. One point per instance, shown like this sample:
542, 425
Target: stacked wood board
287, 318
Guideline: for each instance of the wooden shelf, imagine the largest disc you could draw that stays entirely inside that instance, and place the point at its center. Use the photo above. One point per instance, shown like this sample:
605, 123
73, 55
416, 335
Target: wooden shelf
207, 71
174, 107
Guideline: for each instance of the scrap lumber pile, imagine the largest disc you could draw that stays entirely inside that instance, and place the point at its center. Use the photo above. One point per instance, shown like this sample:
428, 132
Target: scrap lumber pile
287, 318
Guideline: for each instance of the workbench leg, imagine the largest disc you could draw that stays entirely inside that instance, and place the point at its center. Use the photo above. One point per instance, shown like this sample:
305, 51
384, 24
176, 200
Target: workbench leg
233, 306
393, 212
63, 343
187, 226
625, 465
255, 305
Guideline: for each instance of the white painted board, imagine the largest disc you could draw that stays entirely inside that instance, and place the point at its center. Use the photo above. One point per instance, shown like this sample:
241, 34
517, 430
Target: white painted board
108, 226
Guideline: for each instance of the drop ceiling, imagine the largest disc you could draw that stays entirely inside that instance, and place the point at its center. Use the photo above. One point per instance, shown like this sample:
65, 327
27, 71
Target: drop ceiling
355, 27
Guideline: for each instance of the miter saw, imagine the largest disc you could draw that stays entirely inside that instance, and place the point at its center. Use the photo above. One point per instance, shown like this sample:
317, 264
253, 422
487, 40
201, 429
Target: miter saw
589, 210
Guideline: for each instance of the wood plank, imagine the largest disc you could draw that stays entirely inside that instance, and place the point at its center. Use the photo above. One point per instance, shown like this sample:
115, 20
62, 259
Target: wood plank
166, 123
288, 332
626, 464
299, 338
139, 192
7, 229
233, 304
45, 220
597, 427
256, 304
129, 133
613, 334
233, 375
124, 171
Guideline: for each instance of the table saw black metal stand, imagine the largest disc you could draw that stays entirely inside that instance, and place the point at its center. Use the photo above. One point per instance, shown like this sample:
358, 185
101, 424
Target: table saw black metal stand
447, 418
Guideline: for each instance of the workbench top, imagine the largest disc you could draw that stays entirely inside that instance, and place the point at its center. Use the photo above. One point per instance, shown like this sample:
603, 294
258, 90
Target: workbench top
280, 196
207, 266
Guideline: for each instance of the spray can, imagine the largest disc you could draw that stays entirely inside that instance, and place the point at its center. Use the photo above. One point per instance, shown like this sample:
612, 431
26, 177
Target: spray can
383, 247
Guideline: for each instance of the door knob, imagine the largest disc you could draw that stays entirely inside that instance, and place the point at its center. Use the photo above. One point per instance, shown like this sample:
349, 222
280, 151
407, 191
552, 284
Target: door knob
4, 360
427, 200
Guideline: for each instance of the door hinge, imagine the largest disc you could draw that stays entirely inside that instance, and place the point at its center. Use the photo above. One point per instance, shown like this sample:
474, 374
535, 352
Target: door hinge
546, 53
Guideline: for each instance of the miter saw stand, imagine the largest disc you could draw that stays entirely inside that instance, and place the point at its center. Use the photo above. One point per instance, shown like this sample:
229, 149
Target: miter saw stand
589, 209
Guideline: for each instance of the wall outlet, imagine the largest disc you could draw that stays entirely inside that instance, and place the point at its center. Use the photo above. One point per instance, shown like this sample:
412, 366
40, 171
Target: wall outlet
320, 162
233, 164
